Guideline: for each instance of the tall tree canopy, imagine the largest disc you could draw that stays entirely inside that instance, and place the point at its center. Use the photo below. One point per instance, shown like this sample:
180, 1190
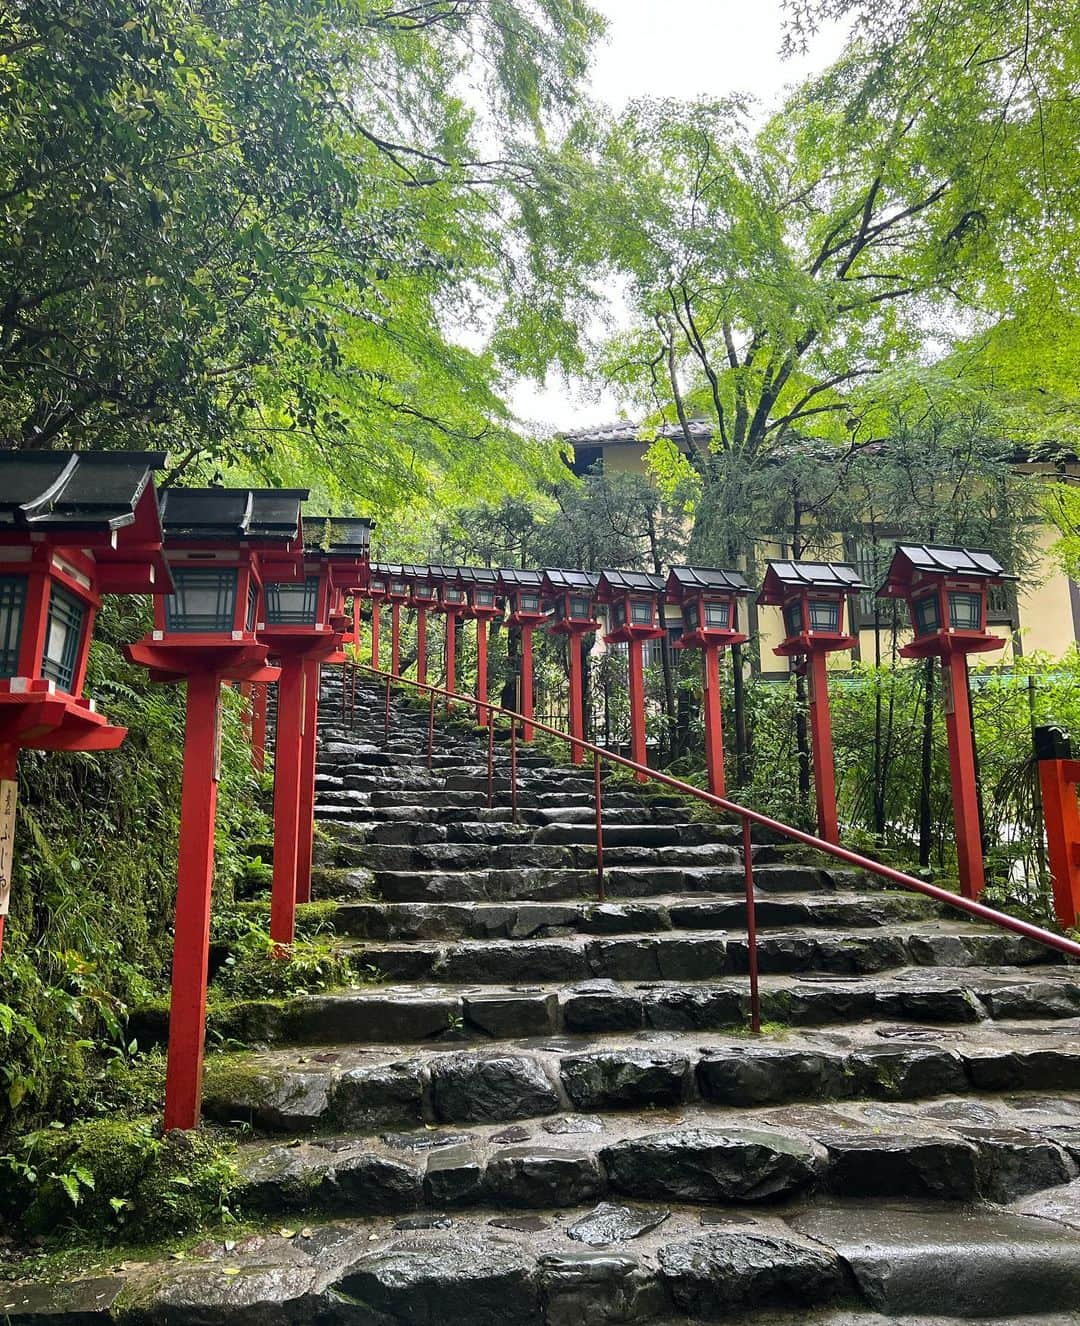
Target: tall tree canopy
263, 231
905, 226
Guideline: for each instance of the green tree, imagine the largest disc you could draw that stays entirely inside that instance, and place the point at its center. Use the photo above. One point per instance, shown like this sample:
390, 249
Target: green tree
265, 232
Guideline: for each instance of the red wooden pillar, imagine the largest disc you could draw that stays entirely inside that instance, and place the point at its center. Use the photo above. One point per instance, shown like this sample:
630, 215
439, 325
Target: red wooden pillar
714, 722
525, 701
395, 639
969, 855
259, 696
194, 878
375, 634
309, 740
287, 779
482, 715
821, 735
356, 621
9, 759
451, 654
1058, 778
577, 696
421, 645
637, 704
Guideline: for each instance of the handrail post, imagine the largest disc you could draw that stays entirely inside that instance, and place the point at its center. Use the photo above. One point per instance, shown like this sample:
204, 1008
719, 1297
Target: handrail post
430, 725
751, 928
513, 772
491, 758
386, 717
598, 797
352, 698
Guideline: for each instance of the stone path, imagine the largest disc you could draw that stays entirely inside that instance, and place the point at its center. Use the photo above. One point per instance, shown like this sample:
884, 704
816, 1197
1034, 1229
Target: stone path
547, 1110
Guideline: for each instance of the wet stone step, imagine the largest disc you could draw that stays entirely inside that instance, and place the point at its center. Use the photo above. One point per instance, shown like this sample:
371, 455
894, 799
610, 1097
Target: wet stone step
361, 1092
524, 920
849, 1150
403, 1013
694, 957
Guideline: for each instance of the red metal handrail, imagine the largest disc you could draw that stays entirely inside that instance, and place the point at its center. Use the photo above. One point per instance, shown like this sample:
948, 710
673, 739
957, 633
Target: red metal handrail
1060, 943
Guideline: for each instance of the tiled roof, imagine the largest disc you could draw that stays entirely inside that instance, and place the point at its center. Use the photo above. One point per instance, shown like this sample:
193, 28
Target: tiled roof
641, 581
683, 580
780, 576
232, 513
346, 536
625, 431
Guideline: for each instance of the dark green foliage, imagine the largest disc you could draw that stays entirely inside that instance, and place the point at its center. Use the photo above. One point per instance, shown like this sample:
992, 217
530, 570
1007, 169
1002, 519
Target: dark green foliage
106, 1175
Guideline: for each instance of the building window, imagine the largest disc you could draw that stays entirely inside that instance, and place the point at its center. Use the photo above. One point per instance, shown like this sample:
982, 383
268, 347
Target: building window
203, 600
12, 610
66, 616
292, 604
965, 611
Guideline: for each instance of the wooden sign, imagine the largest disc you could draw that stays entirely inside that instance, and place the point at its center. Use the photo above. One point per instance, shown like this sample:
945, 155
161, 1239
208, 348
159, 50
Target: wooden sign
8, 797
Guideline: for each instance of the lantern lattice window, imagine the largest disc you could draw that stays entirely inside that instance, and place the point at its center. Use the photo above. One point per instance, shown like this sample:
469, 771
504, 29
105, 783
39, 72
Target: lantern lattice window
204, 600
292, 604
66, 616
12, 610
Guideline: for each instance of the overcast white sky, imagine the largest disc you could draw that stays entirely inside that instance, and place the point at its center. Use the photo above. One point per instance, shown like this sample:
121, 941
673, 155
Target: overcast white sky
678, 48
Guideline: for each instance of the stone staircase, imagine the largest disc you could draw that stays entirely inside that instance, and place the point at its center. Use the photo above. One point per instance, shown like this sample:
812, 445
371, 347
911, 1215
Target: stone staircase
547, 1109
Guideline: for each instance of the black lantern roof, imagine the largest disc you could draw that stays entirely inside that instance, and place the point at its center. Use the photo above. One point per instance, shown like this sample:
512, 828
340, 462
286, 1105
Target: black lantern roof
340, 536
54, 490
385, 569
511, 578
442, 574
413, 572
782, 578
618, 582
247, 514
685, 580
555, 581
968, 563
477, 575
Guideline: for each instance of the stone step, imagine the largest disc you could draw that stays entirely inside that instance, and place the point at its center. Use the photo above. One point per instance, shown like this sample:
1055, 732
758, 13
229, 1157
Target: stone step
411, 826
393, 1014
442, 857
473, 920
694, 957
827, 1261
365, 1090
890, 1150
542, 884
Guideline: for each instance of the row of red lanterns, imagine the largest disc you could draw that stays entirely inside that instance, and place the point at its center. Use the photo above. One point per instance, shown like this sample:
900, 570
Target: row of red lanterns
946, 590
244, 591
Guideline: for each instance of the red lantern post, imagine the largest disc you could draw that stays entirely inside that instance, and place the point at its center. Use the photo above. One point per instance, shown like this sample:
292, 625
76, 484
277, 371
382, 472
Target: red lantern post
451, 604
205, 632
946, 591
483, 606
523, 591
709, 602
376, 590
73, 527
423, 596
634, 616
338, 547
571, 596
397, 593
811, 596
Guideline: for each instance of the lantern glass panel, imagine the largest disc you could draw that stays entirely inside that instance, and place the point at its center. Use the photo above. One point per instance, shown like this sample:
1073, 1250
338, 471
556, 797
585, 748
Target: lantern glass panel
484, 598
824, 614
12, 611
294, 604
641, 612
927, 614
453, 595
528, 603
398, 587
793, 617
252, 604
62, 637
579, 607
204, 599
377, 586
718, 614
618, 613
965, 610
691, 617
